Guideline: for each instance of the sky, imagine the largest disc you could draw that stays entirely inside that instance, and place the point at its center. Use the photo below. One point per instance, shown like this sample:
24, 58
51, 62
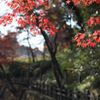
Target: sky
36, 41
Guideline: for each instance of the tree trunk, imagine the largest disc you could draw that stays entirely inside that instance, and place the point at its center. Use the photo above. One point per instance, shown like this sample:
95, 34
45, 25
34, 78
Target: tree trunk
57, 76
55, 66
11, 88
30, 48
32, 55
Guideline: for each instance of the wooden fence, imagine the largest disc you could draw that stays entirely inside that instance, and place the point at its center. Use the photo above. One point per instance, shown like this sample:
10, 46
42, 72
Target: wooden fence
57, 93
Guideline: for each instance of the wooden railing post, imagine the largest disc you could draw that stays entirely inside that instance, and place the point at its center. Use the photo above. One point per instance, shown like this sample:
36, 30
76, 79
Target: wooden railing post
78, 95
39, 87
15, 80
53, 90
25, 82
43, 88
58, 93
61, 93
47, 89
65, 94
88, 94
36, 86
18, 81
12, 80
33, 86
99, 97
55, 93
70, 94
51, 94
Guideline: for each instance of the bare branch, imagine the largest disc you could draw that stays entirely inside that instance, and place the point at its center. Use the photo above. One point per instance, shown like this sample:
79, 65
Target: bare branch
55, 37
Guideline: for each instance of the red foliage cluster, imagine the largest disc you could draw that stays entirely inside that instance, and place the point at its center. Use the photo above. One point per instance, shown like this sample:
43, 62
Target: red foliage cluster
93, 21
7, 45
26, 7
79, 38
85, 2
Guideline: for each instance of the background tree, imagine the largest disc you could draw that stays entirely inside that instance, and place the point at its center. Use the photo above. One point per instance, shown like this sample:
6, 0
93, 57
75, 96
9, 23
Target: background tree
8, 44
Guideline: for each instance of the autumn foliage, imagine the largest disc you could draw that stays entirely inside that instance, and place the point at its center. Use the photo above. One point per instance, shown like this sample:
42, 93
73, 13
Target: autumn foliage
26, 8
85, 2
24, 12
7, 47
92, 38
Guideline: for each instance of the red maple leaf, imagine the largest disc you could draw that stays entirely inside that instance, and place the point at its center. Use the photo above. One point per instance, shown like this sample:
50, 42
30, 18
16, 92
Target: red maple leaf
93, 44
68, 2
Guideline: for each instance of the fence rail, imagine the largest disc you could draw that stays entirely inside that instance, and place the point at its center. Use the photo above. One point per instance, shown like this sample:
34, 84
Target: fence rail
57, 93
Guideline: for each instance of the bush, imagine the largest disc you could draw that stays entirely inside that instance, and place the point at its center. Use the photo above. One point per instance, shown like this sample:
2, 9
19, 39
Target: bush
96, 82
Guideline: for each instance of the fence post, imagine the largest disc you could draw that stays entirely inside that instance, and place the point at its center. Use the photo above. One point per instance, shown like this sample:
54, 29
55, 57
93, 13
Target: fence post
33, 86
43, 88
39, 87
25, 82
21, 81
88, 94
47, 89
55, 93
70, 94
99, 97
36, 86
58, 93
51, 91
61, 93
66, 94
78, 95
18, 81
15, 81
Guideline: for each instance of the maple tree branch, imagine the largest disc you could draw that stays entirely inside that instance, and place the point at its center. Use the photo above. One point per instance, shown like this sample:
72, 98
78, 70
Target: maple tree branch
55, 44
47, 40
45, 36
30, 46
55, 38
